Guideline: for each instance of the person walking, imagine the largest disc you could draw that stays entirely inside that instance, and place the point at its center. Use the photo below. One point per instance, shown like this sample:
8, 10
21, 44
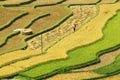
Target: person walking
74, 27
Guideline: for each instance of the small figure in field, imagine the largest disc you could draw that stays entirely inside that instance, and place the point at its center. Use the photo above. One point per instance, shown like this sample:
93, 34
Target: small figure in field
74, 27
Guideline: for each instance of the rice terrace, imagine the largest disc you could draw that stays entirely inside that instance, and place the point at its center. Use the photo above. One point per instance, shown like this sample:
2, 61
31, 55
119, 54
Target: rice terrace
59, 39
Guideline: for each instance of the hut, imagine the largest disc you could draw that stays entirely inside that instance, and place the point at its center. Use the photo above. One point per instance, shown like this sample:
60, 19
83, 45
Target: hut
26, 32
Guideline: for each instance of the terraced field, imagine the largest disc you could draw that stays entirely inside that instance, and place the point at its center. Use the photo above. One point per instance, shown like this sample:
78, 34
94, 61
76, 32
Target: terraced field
14, 2
39, 39
85, 70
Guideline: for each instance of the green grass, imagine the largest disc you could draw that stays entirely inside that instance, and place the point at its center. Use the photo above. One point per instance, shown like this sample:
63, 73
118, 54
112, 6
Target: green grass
82, 55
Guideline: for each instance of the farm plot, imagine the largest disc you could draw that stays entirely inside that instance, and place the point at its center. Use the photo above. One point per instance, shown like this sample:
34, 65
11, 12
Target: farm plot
53, 20
43, 58
17, 55
114, 77
110, 69
32, 61
81, 1
74, 58
12, 43
81, 15
108, 1
84, 18
38, 26
8, 16
44, 2
15, 39
74, 76
103, 61
14, 2
57, 47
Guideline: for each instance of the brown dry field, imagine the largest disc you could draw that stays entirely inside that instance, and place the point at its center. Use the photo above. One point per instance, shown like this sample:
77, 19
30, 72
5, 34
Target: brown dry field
82, 14
7, 2
74, 76
42, 2
49, 21
7, 15
80, 1
103, 60
16, 42
108, 1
